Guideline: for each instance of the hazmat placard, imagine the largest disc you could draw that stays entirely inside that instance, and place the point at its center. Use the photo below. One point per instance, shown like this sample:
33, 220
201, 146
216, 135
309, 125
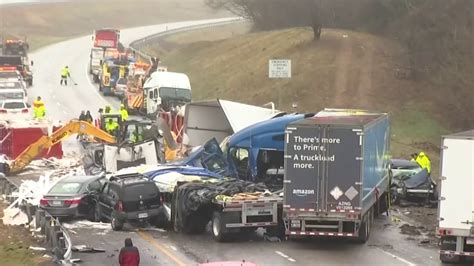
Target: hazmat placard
279, 68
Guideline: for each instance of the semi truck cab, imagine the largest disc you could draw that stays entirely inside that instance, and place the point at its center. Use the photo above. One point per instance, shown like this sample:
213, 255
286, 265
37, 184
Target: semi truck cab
165, 91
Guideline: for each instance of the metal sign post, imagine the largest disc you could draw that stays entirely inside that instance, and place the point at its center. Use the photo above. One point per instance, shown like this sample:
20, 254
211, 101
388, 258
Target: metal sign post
279, 69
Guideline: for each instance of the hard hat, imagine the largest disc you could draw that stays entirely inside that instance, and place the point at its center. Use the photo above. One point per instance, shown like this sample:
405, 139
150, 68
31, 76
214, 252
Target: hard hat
122, 106
422, 154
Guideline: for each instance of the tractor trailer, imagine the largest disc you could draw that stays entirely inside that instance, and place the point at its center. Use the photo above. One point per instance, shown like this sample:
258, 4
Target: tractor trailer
336, 174
456, 205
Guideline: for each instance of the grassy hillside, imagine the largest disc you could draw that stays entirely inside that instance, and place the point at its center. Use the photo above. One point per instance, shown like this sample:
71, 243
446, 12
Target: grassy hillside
345, 69
49, 23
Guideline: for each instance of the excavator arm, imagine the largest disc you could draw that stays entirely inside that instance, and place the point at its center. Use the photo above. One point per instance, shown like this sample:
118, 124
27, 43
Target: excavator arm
45, 142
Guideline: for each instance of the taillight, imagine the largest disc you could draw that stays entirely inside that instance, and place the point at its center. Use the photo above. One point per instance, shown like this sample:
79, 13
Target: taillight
3, 111
119, 206
72, 201
43, 202
352, 216
443, 232
24, 110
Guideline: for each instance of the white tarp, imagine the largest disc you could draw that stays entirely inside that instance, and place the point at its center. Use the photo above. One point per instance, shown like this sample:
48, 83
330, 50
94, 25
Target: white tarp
219, 119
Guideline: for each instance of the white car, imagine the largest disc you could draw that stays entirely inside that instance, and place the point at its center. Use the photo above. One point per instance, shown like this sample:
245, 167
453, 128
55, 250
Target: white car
15, 110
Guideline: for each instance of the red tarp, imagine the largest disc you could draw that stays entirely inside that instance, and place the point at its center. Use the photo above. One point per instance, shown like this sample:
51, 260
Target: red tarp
14, 141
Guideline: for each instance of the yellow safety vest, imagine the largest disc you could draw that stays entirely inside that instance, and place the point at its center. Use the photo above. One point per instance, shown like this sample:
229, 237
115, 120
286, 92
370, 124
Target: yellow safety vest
64, 72
124, 114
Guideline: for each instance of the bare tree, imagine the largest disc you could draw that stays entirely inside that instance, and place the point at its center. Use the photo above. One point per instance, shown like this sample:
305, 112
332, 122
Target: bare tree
275, 14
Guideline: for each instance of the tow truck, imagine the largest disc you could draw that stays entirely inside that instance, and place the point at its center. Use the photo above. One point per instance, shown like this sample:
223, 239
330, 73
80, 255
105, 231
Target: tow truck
112, 70
21, 64
15, 47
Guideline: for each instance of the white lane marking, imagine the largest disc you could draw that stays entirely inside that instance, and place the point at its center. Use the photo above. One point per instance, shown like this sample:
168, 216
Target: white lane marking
173, 248
64, 112
281, 254
285, 256
58, 103
399, 258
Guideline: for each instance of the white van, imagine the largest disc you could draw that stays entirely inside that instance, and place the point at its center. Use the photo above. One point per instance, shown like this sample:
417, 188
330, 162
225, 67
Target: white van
166, 90
12, 94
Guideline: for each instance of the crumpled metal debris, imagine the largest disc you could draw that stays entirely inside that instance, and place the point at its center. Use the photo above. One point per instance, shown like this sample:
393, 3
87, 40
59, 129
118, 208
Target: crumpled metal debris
86, 249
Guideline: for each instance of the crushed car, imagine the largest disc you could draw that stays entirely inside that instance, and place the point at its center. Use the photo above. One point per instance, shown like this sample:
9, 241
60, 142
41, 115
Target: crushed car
410, 182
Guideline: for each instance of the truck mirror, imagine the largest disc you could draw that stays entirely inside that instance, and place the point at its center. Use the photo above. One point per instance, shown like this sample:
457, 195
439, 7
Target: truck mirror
32, 63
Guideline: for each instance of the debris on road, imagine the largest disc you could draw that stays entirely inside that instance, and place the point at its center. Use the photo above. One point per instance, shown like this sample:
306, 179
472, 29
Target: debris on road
37, 248
14, 216
86, 249
88, 225
409, 230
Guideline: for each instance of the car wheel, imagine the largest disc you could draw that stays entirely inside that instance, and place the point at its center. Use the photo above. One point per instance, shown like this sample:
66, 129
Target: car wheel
116, 224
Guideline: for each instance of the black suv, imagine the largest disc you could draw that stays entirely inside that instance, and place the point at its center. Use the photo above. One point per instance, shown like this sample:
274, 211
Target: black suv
126, 198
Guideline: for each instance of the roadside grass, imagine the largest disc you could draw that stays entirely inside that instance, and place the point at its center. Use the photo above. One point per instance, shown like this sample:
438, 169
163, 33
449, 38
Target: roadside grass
14, 245
236, 68
44, 24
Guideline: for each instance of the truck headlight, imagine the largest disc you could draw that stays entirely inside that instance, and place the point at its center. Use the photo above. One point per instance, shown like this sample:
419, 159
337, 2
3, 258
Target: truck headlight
295, 224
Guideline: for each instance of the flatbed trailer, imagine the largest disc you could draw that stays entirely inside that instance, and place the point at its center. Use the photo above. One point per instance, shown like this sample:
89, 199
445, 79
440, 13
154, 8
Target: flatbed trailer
235, 216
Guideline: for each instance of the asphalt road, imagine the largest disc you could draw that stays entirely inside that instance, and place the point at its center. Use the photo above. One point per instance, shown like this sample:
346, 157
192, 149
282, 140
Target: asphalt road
386, 246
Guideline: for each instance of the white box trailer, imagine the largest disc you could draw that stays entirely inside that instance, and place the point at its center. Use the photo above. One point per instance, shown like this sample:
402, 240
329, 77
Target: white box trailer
456, 207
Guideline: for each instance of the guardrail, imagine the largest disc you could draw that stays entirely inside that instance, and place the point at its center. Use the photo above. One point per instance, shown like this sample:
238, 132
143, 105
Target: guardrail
57, 237
136, 45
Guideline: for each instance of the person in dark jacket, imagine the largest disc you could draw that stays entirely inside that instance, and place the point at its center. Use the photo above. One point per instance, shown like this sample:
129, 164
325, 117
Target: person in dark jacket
88, 117
129, 255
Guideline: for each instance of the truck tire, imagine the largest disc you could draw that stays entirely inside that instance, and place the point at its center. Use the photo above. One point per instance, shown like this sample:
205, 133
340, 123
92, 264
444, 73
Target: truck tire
218, 230
365, 226
194, 223
449, 243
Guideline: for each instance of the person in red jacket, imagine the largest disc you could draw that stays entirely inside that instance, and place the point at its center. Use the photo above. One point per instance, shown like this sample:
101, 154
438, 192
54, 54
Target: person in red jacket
129, 255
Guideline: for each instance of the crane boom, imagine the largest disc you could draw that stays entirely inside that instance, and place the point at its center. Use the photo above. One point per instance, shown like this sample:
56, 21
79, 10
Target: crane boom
45, 142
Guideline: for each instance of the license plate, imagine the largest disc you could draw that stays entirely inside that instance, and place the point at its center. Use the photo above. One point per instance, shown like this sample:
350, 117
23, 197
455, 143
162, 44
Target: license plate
57, 202
470, 241
142, 215
266, 209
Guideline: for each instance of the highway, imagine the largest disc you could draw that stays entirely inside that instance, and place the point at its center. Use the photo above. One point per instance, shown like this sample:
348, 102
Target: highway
386, 246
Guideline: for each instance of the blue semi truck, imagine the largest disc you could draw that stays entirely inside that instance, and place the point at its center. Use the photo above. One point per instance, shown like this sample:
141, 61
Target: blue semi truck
336, 173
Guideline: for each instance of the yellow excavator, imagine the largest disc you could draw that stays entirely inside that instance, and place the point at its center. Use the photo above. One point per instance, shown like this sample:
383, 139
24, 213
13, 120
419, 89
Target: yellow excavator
45, 142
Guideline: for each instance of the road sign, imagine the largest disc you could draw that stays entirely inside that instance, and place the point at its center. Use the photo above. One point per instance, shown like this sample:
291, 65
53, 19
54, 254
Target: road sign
279, 68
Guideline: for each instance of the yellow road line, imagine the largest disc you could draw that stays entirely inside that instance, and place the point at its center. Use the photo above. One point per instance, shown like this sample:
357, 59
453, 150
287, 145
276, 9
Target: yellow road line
161, 248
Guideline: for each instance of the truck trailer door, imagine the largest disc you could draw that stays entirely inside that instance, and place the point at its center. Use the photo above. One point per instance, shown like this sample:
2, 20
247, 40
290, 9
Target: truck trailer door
457, 188
302, 170
341, 180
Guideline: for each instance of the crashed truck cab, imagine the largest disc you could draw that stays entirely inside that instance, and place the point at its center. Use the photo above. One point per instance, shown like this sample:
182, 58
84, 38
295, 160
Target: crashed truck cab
254, 153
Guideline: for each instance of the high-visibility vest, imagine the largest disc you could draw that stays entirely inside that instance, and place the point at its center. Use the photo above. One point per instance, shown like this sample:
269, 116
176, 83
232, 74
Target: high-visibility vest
65, 72
110, 127
124, 114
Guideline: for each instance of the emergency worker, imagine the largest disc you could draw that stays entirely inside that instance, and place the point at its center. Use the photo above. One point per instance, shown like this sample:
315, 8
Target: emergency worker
111, 126
123, 113
65, 73
39, 110
108, 109
424, 161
